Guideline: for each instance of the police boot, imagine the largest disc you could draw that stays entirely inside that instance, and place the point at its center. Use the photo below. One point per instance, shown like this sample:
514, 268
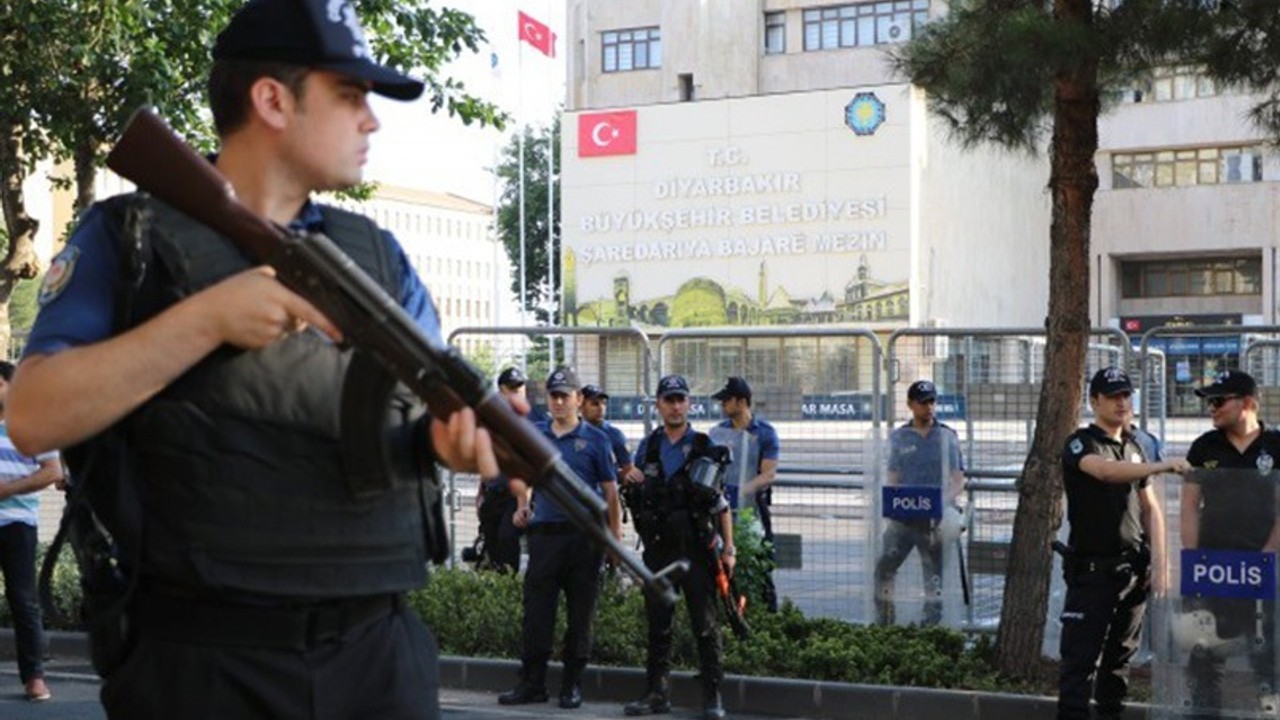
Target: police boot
712, 705
571, 685
655, 702
532, 687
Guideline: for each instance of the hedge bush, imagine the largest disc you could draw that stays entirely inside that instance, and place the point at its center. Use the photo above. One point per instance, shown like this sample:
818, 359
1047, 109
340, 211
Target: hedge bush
478, 614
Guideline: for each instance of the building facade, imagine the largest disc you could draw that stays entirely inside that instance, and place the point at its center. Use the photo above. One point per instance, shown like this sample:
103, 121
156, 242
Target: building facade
709, 135
450, 241
1184, 225
737, 162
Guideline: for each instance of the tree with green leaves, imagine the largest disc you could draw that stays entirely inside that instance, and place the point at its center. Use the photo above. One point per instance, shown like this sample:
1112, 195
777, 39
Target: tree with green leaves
1009, 71
74, 70
540, 295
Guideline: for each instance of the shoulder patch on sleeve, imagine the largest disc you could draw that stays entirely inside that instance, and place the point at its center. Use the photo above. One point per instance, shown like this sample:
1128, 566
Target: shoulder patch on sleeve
1076, 447
57, 277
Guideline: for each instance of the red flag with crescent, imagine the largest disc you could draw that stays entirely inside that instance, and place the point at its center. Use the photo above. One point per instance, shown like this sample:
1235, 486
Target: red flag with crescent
537, 35
607, 133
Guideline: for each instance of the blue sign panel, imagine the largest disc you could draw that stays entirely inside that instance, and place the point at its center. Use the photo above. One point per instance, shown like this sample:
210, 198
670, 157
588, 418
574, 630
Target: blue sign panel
912, 502
632, 407
1229, 574
1197, 345
836, 407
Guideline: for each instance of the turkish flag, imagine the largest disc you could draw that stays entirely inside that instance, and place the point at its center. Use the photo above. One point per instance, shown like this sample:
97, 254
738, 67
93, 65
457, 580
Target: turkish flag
607, 133
537, 35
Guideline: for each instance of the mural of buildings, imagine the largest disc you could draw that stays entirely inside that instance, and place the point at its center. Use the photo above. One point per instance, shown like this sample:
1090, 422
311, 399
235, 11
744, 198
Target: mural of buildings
704, 302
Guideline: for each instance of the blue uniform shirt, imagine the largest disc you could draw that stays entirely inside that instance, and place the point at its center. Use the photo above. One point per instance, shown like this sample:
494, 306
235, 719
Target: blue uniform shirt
927, 459
586, 449
81, 310
617, 441
671, 454
538, 416
1150, 444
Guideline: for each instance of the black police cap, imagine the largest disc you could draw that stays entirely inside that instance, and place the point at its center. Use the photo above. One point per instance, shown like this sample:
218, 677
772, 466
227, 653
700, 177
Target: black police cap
322, 34
512, 377
734, 387
1230, 382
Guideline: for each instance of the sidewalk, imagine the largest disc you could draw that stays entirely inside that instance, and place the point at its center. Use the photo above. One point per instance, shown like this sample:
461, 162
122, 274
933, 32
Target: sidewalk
471, 685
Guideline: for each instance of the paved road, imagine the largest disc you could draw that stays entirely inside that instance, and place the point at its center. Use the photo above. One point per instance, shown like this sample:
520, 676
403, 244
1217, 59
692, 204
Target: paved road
75, 697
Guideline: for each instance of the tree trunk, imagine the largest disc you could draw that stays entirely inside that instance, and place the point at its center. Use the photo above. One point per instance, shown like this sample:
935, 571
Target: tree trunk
86, 170
1073, 180
20, 257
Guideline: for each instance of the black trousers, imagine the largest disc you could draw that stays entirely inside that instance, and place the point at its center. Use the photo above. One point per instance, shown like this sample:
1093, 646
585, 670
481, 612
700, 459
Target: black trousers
699, 589
1101, 623
560, 559
501, 536
384, 670
18, 565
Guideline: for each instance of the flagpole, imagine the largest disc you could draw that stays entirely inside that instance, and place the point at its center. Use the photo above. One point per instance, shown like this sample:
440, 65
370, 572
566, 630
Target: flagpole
524, 291
552, 259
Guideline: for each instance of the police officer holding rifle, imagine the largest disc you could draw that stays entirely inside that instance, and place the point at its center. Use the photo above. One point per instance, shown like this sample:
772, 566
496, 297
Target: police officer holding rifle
250, 422
679, 511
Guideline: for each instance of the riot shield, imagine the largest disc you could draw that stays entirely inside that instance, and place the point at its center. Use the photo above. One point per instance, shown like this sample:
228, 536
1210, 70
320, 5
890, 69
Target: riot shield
1213, 632
917, 571
744, 449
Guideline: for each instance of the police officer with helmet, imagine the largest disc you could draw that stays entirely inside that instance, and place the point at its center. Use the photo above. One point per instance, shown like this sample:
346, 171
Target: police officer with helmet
680, 512
1115, 556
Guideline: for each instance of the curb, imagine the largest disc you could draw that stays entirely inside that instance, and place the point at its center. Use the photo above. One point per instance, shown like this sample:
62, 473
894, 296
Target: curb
783, 697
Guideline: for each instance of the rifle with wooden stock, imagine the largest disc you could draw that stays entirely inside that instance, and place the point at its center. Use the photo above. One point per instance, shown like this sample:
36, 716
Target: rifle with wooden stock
151, 155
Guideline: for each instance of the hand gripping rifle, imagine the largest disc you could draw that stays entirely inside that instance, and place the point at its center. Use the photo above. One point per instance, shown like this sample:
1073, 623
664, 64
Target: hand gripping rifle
733, 603
311, 265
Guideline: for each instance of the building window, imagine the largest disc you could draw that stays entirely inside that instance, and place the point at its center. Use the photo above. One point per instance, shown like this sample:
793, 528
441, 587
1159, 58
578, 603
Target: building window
1201, 277
632, 49
1195, 166
863, 24
1169, 84
775, 33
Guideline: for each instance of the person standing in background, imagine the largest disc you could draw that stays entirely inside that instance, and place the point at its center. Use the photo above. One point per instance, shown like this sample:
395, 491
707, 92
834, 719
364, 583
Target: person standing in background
562, 556
922, 453
21, 480
754, 449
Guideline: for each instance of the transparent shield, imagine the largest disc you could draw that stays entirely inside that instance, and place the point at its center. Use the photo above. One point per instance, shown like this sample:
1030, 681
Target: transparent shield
918, 546
1213, 633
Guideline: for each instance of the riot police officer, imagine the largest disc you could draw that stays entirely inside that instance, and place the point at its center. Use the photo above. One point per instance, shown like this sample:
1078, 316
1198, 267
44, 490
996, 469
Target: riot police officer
754, 448
1229, 503
1116, 540
678, 518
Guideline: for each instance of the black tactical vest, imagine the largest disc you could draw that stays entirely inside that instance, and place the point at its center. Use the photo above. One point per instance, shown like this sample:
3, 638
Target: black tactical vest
241, 468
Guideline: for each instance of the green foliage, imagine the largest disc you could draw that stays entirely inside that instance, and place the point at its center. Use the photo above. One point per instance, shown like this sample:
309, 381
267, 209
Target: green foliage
754, 562
478, 614
537, 258
990, 66
22, 304
473, 614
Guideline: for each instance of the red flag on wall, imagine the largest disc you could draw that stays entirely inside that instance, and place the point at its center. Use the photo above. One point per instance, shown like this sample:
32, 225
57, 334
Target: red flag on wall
607, 133
537, 35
